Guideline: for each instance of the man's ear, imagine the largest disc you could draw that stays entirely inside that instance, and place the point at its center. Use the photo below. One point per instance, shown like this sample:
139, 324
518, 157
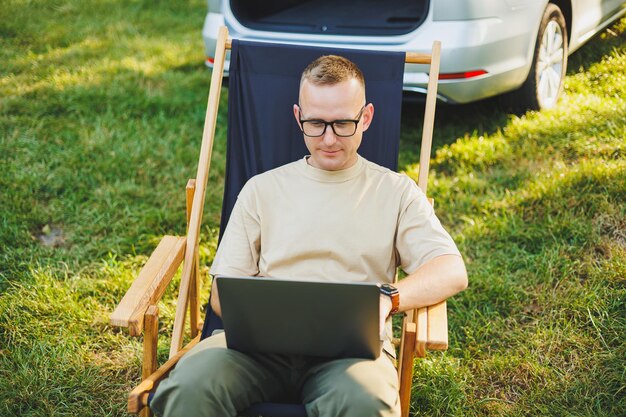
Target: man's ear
368, 115
296, 114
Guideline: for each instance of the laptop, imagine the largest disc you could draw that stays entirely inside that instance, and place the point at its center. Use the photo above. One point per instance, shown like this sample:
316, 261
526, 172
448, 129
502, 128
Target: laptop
323, 319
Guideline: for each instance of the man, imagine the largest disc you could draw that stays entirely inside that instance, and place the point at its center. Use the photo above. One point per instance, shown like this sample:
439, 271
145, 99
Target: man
330, 214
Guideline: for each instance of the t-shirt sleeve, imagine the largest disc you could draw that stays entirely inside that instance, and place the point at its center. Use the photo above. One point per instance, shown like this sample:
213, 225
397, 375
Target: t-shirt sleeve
420, 236
238, 252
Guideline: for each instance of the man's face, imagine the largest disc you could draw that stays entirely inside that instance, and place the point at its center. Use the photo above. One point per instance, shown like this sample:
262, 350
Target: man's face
342, 101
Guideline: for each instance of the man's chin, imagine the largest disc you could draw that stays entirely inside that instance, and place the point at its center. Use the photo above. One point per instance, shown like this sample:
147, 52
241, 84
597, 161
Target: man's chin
331, 162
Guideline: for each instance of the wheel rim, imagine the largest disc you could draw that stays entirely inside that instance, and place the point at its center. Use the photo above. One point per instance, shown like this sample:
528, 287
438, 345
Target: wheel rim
550, 65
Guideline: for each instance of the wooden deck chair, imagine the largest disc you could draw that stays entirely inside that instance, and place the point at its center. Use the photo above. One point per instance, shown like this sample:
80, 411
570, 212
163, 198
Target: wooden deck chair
424, 328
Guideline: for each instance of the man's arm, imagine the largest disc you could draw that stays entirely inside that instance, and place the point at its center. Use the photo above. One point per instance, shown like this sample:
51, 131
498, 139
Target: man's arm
215, 299
435, 281
239, 250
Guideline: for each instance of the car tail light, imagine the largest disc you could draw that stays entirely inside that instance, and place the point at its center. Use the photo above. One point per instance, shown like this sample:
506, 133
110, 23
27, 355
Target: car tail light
462, 75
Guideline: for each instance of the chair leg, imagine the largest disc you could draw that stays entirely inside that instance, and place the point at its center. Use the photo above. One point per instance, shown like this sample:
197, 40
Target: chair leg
405, 367
150, 340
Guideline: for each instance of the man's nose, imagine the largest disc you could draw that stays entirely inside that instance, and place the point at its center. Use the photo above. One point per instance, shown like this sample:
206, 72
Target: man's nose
329, 136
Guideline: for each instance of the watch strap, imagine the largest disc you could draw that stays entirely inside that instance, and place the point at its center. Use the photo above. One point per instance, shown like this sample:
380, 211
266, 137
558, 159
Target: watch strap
393, 294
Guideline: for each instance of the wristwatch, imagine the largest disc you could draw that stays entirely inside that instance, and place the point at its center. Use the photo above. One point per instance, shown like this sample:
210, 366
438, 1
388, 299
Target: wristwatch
393, 293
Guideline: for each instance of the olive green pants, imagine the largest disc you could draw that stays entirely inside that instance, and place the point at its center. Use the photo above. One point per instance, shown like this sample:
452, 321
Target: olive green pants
213, 381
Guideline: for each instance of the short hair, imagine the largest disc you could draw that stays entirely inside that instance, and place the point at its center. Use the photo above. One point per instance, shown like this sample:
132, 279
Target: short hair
331, 70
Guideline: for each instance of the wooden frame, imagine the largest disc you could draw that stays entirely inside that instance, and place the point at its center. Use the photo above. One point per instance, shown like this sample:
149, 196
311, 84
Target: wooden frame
422, 329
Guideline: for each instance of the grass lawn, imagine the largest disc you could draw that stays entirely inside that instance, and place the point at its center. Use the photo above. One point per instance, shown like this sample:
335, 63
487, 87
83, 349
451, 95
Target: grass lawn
101, 111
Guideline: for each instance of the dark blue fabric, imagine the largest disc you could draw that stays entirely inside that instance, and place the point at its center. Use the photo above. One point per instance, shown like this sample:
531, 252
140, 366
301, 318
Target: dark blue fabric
263, 86
263, 134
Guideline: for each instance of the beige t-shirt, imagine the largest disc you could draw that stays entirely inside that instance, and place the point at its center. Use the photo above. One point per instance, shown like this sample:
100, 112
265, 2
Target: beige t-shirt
357, 224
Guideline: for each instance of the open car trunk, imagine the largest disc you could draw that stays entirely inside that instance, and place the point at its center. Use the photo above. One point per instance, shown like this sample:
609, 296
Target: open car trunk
337, 17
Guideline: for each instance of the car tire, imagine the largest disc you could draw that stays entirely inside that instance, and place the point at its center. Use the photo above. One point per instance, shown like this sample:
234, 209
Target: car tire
544, 83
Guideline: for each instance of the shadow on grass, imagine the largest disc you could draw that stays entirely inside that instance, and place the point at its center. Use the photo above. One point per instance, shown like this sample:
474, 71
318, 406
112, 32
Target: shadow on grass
598, 47
490, 116
451, 123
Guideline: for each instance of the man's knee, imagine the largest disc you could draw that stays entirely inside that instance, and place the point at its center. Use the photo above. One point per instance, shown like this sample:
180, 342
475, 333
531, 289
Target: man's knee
358, 389
357, 400
354, 401
199, 384
209, 372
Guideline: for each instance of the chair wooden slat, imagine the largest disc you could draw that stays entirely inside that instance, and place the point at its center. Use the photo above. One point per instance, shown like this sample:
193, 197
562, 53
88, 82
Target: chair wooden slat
417, 58
429, 118
195, 221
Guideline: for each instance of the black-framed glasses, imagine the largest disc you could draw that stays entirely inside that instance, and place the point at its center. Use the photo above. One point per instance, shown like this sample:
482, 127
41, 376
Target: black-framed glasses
342, 127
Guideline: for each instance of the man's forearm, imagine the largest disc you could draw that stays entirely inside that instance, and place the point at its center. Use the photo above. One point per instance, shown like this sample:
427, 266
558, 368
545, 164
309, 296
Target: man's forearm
435, 281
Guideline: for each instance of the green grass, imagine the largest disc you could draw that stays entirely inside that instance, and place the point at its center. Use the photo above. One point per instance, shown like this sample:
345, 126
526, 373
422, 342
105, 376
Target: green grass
101, 111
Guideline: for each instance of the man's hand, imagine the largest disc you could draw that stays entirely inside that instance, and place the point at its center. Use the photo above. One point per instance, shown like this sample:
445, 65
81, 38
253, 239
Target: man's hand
385, 309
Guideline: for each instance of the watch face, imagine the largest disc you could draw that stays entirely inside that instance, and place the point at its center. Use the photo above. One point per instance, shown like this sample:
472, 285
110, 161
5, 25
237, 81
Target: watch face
388, 289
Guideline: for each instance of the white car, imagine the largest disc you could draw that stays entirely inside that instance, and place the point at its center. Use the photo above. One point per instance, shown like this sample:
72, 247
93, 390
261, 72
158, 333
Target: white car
489, 47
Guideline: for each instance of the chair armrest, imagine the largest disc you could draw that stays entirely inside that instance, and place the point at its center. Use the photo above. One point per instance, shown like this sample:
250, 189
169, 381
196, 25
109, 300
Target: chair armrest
432, 328
437, 327
138, 397
150, 284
